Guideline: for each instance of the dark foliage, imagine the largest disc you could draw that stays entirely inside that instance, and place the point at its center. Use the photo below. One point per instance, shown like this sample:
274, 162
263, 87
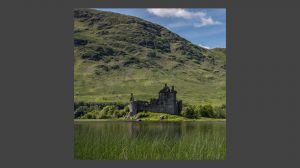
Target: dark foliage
204, 111
79, 42
91, 55
131, 60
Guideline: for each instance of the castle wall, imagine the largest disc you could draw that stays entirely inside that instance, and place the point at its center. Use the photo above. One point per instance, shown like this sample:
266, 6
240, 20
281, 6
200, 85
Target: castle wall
166, 103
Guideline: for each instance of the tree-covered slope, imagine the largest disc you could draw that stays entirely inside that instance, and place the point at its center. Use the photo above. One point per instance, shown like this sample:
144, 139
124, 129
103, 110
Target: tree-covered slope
116, 55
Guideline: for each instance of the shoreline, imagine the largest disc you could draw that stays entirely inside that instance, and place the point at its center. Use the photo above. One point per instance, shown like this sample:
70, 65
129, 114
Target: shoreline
152, 120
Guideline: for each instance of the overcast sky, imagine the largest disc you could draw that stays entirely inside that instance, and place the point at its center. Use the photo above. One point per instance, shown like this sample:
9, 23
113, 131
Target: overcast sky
202, 26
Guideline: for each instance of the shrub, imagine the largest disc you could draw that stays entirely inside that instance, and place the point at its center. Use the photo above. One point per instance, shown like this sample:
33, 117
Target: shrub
220, 111
190, 112
86, 110
108, 110
207, 111
101, 116
90, 116
78, 104
80, 111
79, 42
105, 51
152, 54
120, 113
91, 55
126, 109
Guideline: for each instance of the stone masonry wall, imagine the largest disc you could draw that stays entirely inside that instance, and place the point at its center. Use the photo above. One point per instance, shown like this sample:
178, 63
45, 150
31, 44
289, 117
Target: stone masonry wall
166, 103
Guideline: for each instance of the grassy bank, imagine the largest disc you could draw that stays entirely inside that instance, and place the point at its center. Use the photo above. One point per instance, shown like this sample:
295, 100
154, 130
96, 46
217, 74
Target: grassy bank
151, 116
170, 120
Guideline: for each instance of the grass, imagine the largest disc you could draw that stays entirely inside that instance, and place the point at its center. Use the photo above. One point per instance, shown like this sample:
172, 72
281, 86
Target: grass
154, 116
154, 119
199, 82
181, 119
154, 141
116, 86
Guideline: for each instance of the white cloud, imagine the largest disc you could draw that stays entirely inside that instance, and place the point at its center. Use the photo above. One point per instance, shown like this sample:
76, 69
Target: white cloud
177, 24
201, 17
175, 12
204, 46
206, 22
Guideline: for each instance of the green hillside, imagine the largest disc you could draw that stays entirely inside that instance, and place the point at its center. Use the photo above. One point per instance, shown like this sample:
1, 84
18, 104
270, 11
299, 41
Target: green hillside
115, 55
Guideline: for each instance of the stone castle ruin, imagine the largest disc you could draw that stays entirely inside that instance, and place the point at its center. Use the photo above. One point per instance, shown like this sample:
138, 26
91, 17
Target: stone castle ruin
166, 103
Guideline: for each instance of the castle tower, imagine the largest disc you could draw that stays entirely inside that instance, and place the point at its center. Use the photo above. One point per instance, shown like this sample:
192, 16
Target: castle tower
167, 100
172, 101
132, 106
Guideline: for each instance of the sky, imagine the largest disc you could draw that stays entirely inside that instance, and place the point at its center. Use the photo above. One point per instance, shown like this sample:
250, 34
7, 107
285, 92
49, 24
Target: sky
205, 27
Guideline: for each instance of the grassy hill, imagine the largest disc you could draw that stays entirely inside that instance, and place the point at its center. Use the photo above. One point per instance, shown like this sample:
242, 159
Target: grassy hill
115, 55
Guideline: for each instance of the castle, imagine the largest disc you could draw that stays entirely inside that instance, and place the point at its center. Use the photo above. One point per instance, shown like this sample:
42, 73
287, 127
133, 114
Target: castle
166, 103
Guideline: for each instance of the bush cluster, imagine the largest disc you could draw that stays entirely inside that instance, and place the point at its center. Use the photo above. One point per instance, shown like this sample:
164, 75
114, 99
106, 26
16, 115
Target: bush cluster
105, 113
108, 111
209, 111
99, 111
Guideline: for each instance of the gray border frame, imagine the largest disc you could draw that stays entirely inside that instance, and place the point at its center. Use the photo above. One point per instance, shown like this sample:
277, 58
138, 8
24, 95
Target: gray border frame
262, 83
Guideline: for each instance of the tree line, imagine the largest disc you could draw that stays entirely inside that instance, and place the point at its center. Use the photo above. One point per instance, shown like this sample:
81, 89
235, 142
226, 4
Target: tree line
83, 110
198, 111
